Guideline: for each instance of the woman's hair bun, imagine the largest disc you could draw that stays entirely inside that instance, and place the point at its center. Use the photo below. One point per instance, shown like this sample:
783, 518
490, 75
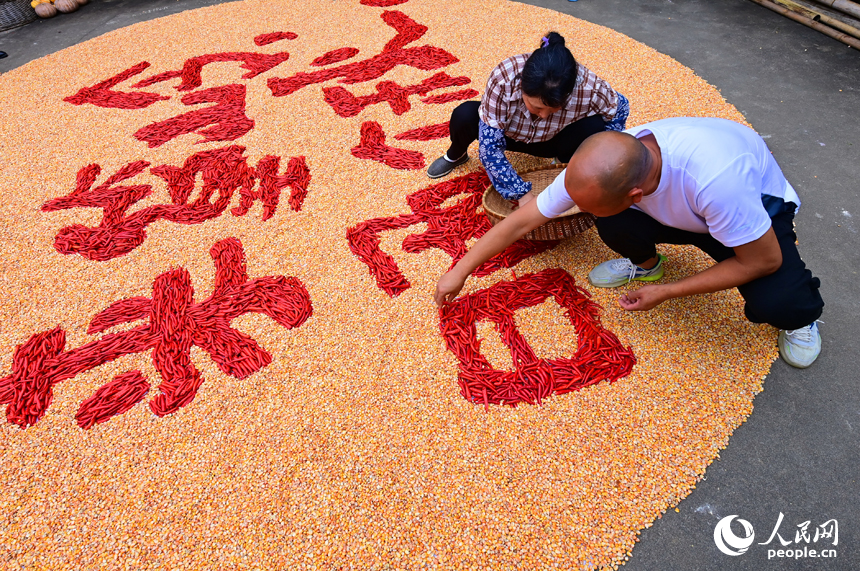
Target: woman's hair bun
552, 39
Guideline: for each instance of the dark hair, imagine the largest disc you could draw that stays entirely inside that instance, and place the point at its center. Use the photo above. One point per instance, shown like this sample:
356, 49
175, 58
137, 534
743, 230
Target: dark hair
550, 72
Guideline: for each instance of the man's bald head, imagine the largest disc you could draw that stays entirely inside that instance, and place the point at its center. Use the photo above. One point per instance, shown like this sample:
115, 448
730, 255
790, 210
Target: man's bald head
613, 161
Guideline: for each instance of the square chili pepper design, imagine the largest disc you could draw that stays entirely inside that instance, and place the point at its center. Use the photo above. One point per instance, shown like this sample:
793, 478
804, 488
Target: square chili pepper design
599, 356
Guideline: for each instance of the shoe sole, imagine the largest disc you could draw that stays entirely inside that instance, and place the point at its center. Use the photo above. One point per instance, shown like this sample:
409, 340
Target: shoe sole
446, 173
653, 278
439, 175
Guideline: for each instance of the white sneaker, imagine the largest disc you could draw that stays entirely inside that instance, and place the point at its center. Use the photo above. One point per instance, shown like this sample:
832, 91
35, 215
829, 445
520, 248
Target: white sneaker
800, 347
618, 272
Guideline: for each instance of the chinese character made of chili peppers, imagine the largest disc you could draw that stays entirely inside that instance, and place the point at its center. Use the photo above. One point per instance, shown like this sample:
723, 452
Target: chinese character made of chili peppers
599, 355
224, 121
174, 323
448, 228
223, 172
372, 144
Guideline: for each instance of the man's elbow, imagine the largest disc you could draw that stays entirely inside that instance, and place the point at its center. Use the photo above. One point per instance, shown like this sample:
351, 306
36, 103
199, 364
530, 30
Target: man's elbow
760, 257
770, 264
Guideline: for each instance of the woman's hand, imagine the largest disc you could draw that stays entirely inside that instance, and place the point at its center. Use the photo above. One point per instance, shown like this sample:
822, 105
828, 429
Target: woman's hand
448, 287
525, 199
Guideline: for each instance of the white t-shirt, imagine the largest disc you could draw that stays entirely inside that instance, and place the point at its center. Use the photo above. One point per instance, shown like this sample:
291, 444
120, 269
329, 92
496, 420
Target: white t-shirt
714, 174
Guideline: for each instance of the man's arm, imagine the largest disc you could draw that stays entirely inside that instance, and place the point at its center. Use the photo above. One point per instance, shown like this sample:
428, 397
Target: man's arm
753, 260
526, 218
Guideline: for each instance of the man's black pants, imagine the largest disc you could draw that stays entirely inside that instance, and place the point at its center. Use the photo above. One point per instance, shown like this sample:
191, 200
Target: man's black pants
786, 299
464, 131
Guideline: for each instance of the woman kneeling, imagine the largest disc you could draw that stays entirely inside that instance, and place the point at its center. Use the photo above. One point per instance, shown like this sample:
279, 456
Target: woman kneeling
543, 104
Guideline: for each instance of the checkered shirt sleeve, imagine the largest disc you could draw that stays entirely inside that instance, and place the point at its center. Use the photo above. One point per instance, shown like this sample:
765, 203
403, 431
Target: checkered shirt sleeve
502, 92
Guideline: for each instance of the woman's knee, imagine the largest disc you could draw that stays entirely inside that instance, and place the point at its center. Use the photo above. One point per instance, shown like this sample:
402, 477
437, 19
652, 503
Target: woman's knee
574, 134
465, 114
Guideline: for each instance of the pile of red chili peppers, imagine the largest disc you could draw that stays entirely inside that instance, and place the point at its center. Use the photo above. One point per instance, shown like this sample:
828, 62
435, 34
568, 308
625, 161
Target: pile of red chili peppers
599, 356
428, 133
334, 56
272, 37
116, 397
346, 104
382, 3
372, 146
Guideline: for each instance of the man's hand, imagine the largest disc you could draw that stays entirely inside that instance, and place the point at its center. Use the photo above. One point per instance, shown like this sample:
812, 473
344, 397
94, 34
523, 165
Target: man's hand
499, 237
448, 287
643, 299
751, 261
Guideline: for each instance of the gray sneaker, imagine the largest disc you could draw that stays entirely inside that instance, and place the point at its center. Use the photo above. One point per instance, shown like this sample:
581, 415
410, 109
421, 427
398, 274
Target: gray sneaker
443, 166
618, 272
800, 347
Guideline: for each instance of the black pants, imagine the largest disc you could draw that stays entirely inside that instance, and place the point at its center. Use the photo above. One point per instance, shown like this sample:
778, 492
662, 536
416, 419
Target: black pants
786, 299
464, 131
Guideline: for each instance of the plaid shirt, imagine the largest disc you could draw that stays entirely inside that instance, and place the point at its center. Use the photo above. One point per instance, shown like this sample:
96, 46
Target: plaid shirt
502, 106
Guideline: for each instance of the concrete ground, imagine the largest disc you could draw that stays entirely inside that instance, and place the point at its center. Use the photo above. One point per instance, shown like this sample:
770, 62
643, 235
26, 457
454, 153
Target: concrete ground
799, 452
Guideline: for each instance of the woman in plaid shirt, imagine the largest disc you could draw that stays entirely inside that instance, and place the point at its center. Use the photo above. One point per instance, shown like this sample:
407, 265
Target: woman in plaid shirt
543, 104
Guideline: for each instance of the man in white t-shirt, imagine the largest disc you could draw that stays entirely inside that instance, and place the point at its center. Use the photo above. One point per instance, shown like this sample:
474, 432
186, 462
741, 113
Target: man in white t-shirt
706, 182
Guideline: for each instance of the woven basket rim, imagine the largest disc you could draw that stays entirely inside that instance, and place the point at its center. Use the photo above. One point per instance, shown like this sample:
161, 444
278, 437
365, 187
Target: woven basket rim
558, 167
555, 229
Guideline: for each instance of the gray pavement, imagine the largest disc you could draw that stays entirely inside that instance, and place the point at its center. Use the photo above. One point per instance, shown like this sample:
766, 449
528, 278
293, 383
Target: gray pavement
799, 452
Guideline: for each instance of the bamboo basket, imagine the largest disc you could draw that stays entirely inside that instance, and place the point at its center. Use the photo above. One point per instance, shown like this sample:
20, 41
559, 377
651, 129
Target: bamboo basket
569, 224
14, 13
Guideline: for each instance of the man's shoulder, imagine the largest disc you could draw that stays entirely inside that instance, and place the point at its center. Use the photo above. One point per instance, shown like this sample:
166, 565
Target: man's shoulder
705, 127
706, 144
